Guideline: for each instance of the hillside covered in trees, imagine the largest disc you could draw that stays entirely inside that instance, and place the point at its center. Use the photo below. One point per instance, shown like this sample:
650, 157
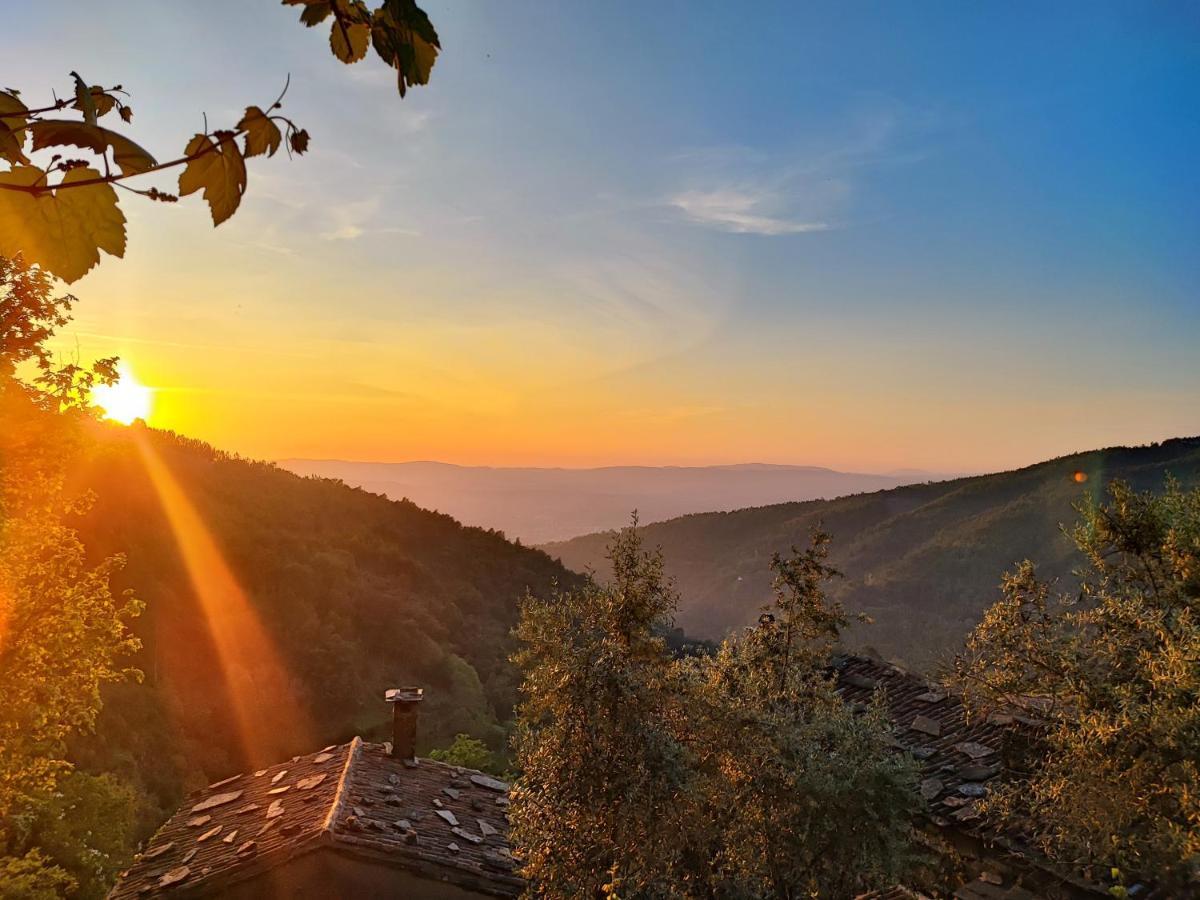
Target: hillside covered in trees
353, 594
924, 561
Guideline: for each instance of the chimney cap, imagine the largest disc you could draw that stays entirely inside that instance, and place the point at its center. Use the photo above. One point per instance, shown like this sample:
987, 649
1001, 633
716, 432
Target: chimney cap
404, 695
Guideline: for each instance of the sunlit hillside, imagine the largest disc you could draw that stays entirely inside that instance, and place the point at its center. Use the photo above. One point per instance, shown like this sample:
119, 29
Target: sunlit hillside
279, 608
923, 561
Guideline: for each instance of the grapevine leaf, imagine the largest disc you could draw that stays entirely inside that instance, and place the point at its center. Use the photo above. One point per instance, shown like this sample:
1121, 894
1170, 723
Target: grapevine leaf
12, 109
349, 40
12, 128
314, 12
298, 141
131, 158
84, 101
262, 135
405, 39
63, 231
219, 171
67, 132
11, 145
126, 114
103, 101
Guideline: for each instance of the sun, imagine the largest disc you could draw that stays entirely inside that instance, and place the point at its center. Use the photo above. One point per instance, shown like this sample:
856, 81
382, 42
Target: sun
124, 400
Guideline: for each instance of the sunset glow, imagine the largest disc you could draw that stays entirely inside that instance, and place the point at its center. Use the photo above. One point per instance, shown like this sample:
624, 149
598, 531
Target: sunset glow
126, 400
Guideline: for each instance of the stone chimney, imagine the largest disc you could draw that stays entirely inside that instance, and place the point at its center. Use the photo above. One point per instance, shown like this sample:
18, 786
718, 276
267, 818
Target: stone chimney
405, 703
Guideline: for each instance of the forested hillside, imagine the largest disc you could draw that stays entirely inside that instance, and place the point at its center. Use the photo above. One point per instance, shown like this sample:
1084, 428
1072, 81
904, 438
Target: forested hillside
354, 593
923, 561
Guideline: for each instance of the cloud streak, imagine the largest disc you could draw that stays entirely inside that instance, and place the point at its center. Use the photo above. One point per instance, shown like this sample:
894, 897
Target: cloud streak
739, 211
745, 190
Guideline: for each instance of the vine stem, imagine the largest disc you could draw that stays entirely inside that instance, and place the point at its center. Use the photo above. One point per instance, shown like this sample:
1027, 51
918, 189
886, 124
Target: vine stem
114, 179
58, 104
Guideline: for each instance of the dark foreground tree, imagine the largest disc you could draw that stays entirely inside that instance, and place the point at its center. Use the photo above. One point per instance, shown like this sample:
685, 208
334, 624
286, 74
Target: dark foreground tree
62, 630
1113, 673
738, 775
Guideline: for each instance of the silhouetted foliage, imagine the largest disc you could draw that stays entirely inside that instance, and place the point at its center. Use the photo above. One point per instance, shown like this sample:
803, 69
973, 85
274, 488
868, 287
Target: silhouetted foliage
63, 225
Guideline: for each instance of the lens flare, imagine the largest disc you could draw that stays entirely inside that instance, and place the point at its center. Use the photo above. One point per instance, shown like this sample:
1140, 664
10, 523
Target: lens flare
257, 685
126, 399
1080, 477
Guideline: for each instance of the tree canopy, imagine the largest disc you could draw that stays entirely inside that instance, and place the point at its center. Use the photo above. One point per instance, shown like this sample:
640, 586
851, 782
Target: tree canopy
644, 774
63, 629
1112, 675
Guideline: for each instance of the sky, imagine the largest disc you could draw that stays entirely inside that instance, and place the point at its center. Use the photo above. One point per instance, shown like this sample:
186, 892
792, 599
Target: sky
954, 237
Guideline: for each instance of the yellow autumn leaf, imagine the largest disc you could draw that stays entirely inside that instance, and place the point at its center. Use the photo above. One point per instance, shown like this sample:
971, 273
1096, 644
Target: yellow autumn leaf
424, 56
12, 128
103, 101
130, 157
219, 171
10, 104
84, 101
349, 40
63, 231
262, 135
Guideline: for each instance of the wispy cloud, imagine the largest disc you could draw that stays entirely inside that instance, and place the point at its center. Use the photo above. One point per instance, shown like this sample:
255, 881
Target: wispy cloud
740, 211
350, 219
804, 190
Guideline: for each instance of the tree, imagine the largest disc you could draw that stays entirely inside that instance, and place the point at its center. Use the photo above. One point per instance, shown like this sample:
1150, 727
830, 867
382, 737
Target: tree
1111, 676
742, 774
63, 225
466, 751
807, 798
598, 808
62, 631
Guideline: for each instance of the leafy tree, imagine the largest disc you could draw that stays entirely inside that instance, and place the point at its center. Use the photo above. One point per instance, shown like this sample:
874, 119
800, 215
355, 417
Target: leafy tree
466, 751
62, 630
86, 827
808, 798
62, 225
597, 809
1112, 674
737, 775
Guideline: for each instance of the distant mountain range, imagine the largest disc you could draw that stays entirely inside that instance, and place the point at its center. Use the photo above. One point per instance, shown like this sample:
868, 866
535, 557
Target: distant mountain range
923, 561
543, 504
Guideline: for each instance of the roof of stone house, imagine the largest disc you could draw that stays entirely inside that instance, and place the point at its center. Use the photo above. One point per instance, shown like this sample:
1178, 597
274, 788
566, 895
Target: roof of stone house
959, 759
893, 893
433, 819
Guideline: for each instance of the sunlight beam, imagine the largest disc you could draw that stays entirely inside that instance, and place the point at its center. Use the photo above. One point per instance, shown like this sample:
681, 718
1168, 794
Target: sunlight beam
258, 687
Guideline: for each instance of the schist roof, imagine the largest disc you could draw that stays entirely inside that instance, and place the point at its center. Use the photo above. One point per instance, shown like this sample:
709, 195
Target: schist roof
436, 820
957, 757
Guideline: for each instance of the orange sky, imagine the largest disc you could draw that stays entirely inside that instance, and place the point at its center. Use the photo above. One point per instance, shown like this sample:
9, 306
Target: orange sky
909, 263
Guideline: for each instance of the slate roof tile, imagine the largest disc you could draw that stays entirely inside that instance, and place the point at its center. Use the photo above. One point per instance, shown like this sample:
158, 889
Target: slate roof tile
355, 797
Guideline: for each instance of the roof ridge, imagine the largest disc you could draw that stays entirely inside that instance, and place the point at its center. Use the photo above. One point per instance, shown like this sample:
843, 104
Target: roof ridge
339, 794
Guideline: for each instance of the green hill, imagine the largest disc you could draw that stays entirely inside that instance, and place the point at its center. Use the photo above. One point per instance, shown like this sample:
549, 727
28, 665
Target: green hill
355, 592
923, 560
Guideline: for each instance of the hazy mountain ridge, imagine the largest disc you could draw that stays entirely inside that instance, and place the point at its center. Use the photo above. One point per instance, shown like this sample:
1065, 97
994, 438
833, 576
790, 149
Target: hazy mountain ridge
543, 504
922, 560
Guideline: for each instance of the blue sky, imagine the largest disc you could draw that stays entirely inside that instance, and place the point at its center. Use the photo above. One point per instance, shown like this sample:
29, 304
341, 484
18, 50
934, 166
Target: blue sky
943, 235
